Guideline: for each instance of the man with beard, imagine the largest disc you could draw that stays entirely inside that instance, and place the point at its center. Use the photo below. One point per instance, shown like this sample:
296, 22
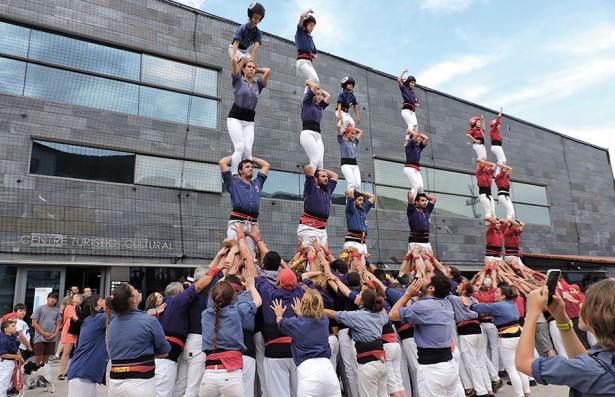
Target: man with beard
245, 195
418, 212
317, 192
434, 320
358, 205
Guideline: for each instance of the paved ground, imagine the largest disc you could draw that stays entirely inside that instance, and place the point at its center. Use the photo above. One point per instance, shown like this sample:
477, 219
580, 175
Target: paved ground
506, 391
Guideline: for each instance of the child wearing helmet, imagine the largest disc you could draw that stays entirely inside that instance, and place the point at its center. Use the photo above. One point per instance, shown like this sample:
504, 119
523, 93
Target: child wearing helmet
477, 136
411, 102
344, 100
248, 34
306, 50
496, 141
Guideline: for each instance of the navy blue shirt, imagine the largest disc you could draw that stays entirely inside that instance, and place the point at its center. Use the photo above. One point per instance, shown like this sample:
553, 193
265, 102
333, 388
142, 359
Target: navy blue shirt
408, 95
200, 304
245, 197
311, 111
135, 334
434, 321
9, 343
413, 152
90, 359
310, 337
316, 201
356, 219
346, 98
247, 36
304, 41
418, 221
269, 294
174, 318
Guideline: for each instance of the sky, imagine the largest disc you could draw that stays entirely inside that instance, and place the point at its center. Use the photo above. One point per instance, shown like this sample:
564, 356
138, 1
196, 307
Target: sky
551, 62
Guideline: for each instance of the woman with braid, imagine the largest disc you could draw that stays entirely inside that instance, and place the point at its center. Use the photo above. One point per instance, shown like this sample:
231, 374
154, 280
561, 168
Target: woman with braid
223, 340
134, 340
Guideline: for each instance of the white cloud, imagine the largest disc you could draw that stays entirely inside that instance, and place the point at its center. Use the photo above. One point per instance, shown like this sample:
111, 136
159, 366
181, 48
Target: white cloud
329, 26
199, 4
444, 71
472, 92
445, 6
596, 40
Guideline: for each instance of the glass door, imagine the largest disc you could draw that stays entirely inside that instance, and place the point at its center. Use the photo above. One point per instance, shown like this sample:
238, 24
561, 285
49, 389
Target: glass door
36, 283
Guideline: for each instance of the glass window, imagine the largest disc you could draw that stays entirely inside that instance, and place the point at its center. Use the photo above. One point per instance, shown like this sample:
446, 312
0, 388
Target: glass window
458, 206
529, 194
79, 89
14, 39
84, 55
448, 181
204, 112
283, 185
388, 173
8, 279
161, 104
178, 75
164, 172
533, 214
12, 76
58, 159
391, 198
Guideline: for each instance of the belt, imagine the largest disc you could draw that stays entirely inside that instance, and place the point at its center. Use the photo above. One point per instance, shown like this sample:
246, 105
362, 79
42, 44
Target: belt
461, 324
357, 237
282, 339
313, 221
239, 215
308, 56
175, 340
215, 367
415, 166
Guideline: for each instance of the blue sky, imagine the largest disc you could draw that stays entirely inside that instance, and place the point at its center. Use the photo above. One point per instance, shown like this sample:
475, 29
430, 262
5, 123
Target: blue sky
549, 62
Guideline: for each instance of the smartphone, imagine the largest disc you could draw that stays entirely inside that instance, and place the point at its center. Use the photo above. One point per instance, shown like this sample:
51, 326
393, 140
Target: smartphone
553, 276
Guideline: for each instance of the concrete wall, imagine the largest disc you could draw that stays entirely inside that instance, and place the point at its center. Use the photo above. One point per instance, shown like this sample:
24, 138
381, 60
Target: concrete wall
577, 175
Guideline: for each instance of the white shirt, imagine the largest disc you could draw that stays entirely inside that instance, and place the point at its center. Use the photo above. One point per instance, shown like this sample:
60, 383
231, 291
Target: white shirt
23, 326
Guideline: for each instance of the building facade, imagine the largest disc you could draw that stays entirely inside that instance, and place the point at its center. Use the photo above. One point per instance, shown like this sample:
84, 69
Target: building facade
113, 119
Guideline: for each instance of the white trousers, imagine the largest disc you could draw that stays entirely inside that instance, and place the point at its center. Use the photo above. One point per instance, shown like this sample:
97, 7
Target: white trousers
132, 387
249, 374
393, 353
507, 204
217, 382
362, 248
239, 54
410, 119
410, 352
470, 347
316, 378
6, 372
349, 353
305, 233
247, 228
259, 344
480, 150
78, 387
281, 376
334, 344
439, 380
347, 120
352, 175
426, 247
373, 379
314, 148
190, 367
242, 135
556, 337
306, 70
488, 205
415, 179
520, 381
166, 374
499, 155
491, 341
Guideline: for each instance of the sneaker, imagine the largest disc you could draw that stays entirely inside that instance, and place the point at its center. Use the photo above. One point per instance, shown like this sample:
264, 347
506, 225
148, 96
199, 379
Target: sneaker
533, 382
502, 374
497, 385
12, 392
54, 358
40, 382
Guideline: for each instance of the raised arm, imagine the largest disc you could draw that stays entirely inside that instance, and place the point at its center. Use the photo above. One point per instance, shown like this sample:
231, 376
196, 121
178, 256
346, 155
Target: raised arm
400, 78
413, 290
257, 46
359, 135
331, 174
304, 15
261, 164
265, 71
431, 198
224, 163
235, 68
326, 96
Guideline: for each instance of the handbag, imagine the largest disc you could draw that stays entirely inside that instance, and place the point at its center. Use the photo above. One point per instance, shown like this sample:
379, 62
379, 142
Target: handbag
74, 327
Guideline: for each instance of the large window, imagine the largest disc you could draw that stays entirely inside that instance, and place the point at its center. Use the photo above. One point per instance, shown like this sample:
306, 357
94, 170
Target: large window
50, 66
81, 162
457, 193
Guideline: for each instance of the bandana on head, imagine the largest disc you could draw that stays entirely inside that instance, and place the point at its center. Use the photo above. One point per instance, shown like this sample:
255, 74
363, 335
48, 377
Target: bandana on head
9, 316
287, 279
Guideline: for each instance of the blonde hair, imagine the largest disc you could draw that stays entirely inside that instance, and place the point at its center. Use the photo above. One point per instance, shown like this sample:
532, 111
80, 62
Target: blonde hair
312, 305
598, 311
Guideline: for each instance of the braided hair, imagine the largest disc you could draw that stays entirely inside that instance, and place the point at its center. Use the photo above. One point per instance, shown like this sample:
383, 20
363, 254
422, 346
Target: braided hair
223, 295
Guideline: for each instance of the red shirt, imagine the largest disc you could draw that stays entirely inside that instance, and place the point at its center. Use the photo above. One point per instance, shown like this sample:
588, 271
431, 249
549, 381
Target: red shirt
573, 310
494, 132
502, 180
486, 297
494, 237
512, 236
477, 133
483, 176
520, 302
